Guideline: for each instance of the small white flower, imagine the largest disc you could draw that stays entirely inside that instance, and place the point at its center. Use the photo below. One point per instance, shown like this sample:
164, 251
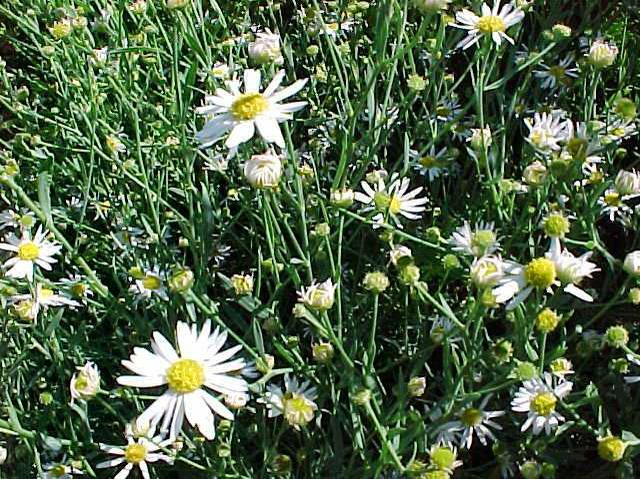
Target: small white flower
266, 49
263, 171
200, 363
148, 284
30, 251
137, 453
627, 183
620, 129
602, 54
571, 270
241, 113
85, 384
486, 271
391, 200
521, 280
539, 399
60, 471
295, 403
318, 296
480, 241
13, 219
431, 165
472, 421
492, 23
558, 75
546, 131
28, 306
613, 205
398, 253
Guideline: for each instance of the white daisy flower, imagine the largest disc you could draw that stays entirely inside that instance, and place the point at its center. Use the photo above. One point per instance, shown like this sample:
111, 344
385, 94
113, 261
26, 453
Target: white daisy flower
137, 453
613, 205
148, 284
558, 75
241, 113
539, 398
295, 403
546, 131
77, 286
448, 110
561, 367
432, 165
13, 219
60, 471
473, 421
492, 22
30, 250
620, 129
480, 241
318, 296
443, 328
391, 199
28, 306
571, 270
485, 272
200, 363
521, 280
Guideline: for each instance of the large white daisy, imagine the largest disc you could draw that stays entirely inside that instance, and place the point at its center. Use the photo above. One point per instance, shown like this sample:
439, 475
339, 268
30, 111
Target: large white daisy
30, 251
492, 22
241, 113
199, 363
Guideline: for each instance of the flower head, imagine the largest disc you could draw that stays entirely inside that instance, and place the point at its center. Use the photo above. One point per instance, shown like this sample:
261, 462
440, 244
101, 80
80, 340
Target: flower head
539, 399
296, 403
241, 113
318, 296
85, 384
263, 171
198, 363
266, 49
479, 241
491, 23
29, 251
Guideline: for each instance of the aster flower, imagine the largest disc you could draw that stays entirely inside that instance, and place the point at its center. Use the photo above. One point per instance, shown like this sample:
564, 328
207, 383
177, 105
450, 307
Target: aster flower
137, 453
318, 296
295, 403
582, 144
29, 252
546, 131
391, 199
12, 219
492, 23
538, 398
472, 421
614, 206
85, 384
620, 129
198, 363
448, 110
558, 75
571, 270
60, 471
241, 113
29, 306
485, 272
521, 280
479, 241
431, 165
148, 284
444, 457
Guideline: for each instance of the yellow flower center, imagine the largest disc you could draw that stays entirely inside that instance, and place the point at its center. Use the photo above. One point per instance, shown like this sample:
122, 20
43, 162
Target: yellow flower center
618, 132
540, 273
471, 417
297, 409
443, 111
612, 198
491, 24
381, 200
185, 376
543, 404
482, 240
45, 293
151, 281
249, 106
429, 161
443, 458
395, 205
28, 251
135, 453
557, 72
78, 290
57, 471
26, 221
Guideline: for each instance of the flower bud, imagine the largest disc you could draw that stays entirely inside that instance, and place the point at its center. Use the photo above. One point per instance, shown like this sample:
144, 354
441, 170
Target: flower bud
417, 386
547, 321
322, 352
631, 263
318, 296
616, 336
535, 174
266, 49
376, 282
480, 138
181, 280
342, 198
627, 182
611, 448
242, 284
602, 54
86, 383
263, 171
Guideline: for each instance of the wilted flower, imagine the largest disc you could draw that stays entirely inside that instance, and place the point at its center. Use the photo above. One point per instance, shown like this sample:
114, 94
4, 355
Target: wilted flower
602, 54
85, 384
266, 49
318, 296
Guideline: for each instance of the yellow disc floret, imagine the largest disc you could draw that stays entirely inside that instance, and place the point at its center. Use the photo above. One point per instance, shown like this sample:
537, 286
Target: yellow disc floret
135, 453
28, 251
185, 376
471, 417
249, 106
491, 24
151, 281
543, 404
611, 448
540, 273
395, 205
